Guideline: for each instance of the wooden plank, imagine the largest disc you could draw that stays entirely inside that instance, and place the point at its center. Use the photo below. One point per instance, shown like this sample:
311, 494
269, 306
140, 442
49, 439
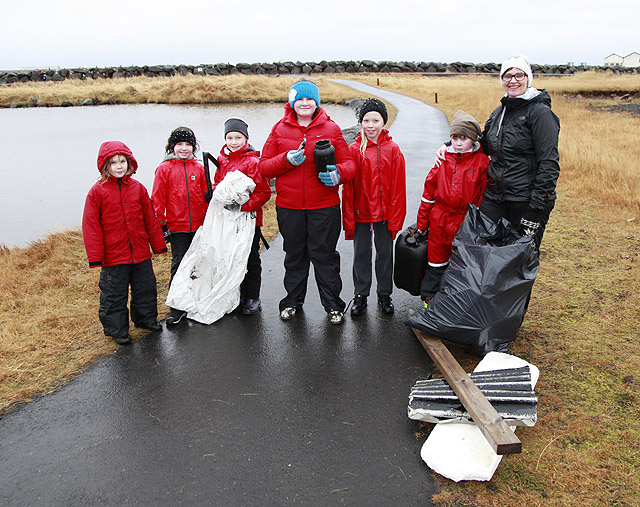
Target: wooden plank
497, 432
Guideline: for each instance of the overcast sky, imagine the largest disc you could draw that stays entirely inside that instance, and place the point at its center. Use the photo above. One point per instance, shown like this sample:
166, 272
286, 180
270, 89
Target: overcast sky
87, 33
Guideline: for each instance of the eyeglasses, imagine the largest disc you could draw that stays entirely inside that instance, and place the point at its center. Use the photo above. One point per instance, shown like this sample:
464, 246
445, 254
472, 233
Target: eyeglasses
519, 76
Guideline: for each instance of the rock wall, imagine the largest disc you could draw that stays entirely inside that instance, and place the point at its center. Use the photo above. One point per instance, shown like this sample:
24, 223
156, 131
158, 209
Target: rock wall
284, 68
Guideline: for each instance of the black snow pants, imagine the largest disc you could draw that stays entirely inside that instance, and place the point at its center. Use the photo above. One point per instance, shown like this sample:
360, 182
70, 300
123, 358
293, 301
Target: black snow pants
114, 294
180, 243
311, 237
250, 287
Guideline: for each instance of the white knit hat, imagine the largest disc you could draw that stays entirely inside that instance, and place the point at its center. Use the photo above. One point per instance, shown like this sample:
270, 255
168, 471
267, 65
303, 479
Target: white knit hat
518, 62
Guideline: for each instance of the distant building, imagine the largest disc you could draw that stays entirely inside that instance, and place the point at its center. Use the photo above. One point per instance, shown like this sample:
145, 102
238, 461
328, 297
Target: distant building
630, 60
613, 59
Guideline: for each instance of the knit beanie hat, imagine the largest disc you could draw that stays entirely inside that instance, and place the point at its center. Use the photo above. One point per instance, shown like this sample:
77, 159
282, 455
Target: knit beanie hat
236, 125
179, 135
373, 104
464, 124
304, 89
517, 62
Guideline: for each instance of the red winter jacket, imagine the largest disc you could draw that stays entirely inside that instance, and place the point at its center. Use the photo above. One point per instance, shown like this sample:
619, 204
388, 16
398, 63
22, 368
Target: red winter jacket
298, 187
245, 160
178, 194
118, 221
460, 180
378, 192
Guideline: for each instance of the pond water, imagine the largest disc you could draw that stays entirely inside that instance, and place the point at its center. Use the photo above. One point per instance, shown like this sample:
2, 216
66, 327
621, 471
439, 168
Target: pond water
50, 154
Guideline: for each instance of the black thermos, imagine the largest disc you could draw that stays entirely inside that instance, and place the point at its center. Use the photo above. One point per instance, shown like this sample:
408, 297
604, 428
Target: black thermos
324, 154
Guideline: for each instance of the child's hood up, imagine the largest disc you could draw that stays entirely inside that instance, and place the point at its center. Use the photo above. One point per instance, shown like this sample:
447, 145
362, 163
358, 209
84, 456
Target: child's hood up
109, 149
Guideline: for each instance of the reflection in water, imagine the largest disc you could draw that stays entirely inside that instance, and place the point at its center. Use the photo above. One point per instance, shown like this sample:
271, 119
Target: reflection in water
49, 154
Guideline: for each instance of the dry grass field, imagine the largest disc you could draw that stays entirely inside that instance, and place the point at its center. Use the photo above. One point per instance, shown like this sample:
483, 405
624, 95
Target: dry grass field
170, 90
581, 329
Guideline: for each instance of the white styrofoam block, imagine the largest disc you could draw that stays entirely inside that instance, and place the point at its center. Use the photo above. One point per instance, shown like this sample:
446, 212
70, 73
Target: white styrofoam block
460, 452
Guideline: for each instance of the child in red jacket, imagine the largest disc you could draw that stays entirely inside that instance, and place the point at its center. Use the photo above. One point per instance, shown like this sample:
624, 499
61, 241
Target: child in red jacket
374, 205
180, 198
238, 155
117, 226
448, 189
308, 201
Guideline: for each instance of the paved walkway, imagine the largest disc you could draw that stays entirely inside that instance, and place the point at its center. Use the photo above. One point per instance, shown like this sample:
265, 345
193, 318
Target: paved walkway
247, 411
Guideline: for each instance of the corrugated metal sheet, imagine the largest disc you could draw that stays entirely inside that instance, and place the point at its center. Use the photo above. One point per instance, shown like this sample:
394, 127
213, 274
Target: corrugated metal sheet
510, 392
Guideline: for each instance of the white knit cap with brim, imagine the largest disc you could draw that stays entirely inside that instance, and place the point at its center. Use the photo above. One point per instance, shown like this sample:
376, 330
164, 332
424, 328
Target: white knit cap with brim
518, 62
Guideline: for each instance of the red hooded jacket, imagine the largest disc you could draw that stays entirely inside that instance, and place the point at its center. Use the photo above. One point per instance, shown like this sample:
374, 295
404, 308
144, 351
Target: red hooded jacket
245, 160
178, 194
460, 180
378, 192
298, 187
118, 221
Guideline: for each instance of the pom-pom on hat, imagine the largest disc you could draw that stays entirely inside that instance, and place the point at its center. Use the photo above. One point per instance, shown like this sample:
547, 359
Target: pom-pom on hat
464, 124
373, 104
517, 62
179, 135
304, 89
236, 125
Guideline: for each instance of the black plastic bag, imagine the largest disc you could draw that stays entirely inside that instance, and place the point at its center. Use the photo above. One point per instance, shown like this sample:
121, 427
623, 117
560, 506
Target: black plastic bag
485, 290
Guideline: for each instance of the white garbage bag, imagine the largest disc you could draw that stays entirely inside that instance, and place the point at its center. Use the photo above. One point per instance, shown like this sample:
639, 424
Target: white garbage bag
207, 283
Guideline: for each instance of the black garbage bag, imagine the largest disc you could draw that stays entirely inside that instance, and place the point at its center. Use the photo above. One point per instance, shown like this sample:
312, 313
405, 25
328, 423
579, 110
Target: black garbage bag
485, 290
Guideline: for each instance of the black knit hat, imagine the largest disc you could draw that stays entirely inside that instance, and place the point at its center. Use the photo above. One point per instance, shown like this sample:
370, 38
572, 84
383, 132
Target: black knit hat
373, 104
179, 135
236, 125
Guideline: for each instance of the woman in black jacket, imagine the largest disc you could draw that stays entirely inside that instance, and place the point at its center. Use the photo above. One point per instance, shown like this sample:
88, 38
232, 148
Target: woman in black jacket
521, 137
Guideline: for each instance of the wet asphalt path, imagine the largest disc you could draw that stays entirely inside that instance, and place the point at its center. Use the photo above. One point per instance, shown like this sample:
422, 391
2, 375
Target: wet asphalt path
247, 411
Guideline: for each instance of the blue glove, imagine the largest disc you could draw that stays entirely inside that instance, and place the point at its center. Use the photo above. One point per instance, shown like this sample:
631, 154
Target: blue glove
331, 177
296, 157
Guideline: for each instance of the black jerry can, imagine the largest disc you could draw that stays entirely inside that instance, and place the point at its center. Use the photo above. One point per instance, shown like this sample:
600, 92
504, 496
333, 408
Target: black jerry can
410, 262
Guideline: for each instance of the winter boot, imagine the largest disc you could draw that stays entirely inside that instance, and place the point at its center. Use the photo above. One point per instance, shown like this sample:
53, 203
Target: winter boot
359, 305
251, 307
122, 340
385, 304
